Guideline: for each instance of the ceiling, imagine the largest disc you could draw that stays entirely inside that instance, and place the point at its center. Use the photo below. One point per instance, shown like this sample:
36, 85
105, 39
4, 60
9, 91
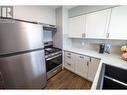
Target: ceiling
67, 6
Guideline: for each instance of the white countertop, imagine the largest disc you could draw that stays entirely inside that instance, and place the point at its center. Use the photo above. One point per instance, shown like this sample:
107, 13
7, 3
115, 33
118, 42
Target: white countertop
111, 59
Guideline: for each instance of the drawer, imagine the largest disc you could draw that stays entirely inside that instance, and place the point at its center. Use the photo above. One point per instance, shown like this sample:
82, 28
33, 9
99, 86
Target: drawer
82, 58
67, 53
69, 57
69, 66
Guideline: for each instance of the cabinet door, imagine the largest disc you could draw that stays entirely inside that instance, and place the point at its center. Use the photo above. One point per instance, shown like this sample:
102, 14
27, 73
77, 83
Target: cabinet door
93, 66
97, 23
77, 27
118, 23
81, 66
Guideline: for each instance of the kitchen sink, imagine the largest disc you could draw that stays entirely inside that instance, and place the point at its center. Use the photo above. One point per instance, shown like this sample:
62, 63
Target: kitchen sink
112, 78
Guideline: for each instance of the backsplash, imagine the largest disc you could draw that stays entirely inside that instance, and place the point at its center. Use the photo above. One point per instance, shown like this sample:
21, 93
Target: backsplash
48, 36
93, 44
67, 43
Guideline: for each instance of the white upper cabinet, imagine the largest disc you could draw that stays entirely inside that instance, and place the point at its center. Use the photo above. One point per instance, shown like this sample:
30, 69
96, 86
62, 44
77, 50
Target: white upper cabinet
106, 24
118, 23
76, 26
97, 23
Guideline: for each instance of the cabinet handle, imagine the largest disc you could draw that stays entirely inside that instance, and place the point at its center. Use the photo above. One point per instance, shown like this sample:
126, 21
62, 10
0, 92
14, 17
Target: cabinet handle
90, 59
81, 56
69, 56
2, 80
83, 35
107, 35
69, 53
69, 64
1, 77
87, 63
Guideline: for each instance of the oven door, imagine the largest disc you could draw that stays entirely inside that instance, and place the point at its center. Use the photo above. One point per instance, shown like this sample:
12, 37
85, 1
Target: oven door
53, 62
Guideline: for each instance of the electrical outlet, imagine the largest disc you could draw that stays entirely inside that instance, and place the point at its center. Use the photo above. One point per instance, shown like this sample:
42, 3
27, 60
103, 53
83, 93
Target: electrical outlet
82, 43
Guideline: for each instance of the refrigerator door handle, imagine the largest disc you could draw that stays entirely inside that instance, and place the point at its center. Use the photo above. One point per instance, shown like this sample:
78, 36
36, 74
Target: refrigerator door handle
1, 77
1, 80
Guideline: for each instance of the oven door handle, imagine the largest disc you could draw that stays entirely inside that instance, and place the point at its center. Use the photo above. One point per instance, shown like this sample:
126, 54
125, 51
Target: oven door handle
53, 57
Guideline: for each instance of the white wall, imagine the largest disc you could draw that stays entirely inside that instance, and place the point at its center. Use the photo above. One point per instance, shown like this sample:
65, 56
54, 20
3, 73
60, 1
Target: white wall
94, 44
47, 36
43, 14
66, 41
61, 38
58, 36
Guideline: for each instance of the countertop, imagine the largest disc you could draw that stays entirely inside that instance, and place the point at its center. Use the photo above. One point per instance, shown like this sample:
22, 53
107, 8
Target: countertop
111, 59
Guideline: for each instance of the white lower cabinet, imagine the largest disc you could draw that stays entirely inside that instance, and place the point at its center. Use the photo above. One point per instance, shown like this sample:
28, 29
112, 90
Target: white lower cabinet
82, 65
93, 66
69, 66
69, 61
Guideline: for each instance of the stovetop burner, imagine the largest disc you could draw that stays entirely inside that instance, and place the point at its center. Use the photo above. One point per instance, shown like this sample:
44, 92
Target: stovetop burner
51, 50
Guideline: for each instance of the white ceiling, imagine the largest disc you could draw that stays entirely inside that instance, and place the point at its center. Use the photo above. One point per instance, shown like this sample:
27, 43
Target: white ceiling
50, 6
69, 6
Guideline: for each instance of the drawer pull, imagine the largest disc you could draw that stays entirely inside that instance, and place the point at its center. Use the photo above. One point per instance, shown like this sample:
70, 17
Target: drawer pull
87, 63
69, 64
83, 35
68, 53
81, 56
69, 56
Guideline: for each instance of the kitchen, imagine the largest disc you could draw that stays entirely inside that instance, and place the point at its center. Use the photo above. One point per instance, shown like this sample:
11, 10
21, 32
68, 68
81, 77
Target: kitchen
64, 47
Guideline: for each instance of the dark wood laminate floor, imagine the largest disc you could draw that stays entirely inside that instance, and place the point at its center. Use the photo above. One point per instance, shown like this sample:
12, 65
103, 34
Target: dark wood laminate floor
67, 80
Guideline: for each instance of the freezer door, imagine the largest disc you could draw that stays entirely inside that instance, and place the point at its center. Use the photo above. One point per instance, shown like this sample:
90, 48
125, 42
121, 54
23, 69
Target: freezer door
24, 71
20, 36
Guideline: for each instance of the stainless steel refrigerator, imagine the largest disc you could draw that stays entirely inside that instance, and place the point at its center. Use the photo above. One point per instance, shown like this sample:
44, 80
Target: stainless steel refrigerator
22, 63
